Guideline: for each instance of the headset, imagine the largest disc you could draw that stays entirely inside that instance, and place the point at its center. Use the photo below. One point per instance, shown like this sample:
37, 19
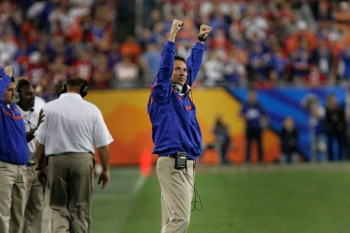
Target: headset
84, 89
20, 84
185, 89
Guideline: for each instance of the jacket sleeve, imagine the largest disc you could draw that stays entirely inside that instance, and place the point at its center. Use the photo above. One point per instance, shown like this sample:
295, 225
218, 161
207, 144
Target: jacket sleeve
161, 85
194, 62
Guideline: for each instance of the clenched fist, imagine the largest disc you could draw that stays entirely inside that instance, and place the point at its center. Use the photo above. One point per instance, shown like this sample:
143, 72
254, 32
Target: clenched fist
204, 31
177, 24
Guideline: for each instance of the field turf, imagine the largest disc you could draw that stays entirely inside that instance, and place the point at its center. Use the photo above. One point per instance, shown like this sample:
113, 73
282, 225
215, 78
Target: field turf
303, 198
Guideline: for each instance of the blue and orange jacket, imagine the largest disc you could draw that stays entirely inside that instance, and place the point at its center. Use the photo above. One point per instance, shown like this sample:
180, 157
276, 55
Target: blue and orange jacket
13, 143
173, 115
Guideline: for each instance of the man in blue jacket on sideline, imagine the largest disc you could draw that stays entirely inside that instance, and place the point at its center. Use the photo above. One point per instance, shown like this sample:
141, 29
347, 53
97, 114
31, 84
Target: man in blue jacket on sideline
175, 130
13, 156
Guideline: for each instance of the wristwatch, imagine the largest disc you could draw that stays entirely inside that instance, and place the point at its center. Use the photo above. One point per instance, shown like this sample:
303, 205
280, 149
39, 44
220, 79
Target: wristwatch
201, 38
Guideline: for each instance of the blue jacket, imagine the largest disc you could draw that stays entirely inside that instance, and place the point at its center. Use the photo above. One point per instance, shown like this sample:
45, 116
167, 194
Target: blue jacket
174, 124
13, 143
253, 113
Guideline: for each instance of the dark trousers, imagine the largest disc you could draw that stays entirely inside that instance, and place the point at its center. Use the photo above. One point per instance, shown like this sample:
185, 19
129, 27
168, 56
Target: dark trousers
338, 136
70, 180
254, 135
223, 149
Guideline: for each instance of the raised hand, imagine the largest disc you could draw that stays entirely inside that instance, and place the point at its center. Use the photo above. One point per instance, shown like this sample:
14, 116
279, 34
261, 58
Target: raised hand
204, 30
177, 24
9, 70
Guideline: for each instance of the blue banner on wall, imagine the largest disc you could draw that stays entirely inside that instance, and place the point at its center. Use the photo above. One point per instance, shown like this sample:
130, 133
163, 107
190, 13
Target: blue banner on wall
286, 101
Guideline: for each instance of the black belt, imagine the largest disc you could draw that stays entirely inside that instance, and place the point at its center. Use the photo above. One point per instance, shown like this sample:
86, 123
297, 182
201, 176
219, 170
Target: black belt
31, 163
173, 156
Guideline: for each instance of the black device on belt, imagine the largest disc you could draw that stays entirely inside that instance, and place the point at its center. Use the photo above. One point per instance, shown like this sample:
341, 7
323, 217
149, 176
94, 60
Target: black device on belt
180, 160
31, 163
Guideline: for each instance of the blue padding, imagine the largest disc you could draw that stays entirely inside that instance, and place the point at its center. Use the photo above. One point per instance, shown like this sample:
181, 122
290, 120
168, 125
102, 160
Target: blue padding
286, 101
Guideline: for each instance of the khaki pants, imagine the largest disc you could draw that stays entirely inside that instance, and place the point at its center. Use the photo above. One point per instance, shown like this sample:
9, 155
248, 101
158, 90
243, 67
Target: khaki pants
176, 194
70, 181
37, 217
13, 185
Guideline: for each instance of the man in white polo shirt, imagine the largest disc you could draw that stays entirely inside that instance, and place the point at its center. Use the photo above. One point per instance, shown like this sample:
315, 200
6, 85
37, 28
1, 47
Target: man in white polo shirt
71, 129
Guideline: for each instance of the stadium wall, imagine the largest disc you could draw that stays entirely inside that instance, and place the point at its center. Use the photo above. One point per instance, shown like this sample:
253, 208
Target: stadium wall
126, 117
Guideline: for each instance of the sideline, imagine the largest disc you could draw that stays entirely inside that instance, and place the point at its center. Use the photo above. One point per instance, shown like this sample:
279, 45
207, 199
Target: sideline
112, 206
267, 168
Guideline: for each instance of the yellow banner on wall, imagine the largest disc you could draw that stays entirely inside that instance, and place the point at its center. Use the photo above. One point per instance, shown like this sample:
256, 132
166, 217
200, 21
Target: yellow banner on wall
125, 113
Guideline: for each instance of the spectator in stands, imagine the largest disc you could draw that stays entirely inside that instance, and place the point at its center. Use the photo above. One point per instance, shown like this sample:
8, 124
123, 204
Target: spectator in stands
315, 78
235, 72
344, 64
114, 55
255, 122
131, 48
322, 10
342, 17
6, 60
277, 63
235, 66
149, 61
258, 64
82, 67
36, 68
292, 42
322, 57
219, 43
8, 42
253, 23
125, 74
75, 24
59, 70
101, 73
214, 70
300, 60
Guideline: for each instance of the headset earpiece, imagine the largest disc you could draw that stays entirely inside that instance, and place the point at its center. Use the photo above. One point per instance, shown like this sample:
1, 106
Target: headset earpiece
177, 87
64, 89
185, 89
84, 90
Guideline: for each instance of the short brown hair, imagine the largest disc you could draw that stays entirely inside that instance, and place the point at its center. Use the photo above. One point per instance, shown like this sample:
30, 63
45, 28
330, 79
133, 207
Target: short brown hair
76, 81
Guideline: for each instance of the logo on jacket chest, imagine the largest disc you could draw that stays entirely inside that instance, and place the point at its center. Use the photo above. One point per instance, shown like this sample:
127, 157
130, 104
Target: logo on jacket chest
188, 108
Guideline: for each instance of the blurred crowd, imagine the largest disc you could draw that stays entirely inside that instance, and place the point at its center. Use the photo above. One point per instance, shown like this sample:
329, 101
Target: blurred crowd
265, 43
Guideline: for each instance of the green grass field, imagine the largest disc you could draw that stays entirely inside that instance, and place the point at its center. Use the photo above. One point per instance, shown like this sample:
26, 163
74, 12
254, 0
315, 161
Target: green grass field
307, 198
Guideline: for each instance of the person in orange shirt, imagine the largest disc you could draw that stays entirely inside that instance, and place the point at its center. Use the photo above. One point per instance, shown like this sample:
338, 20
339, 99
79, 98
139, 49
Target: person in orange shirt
292, 41
131, 48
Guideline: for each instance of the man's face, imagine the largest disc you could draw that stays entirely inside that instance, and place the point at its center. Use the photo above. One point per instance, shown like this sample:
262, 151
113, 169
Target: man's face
9, 95
179, 75
27, 97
